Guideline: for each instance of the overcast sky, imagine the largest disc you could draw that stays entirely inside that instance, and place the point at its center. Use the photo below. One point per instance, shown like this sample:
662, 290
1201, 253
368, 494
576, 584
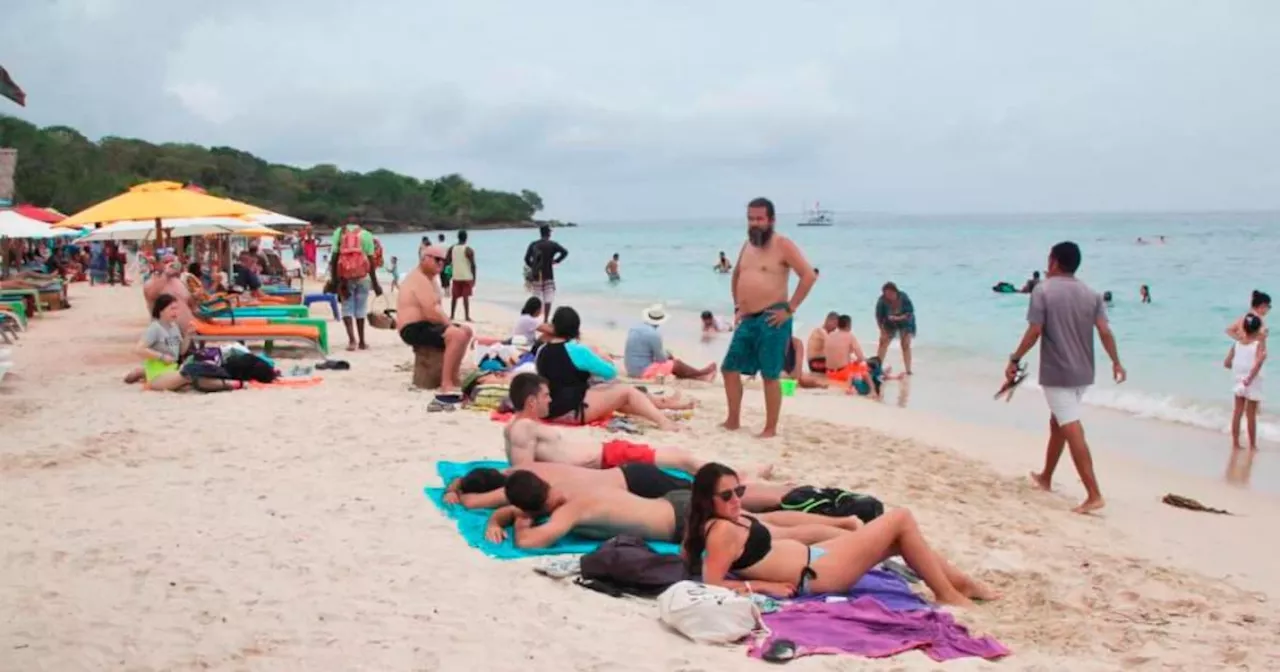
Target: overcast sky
627, 110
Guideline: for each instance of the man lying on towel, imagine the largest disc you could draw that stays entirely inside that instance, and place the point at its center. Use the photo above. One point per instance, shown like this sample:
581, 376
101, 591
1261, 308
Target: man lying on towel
529, 440
484, 487
423, 323
605, 513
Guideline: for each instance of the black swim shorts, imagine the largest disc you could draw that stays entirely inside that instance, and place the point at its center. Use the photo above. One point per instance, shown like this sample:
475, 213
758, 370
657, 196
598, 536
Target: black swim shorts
423, 334
650, 482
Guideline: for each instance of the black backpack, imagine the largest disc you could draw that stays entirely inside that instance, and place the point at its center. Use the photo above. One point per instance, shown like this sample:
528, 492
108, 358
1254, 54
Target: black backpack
241, 366
626, 565
832, 502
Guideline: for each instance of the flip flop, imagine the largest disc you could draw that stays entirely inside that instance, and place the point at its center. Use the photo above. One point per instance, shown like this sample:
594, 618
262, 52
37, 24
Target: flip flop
780, 651
1010, 386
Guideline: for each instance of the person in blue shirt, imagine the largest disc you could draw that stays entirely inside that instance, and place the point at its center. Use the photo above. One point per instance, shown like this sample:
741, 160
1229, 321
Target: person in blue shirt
645, 357
568, 366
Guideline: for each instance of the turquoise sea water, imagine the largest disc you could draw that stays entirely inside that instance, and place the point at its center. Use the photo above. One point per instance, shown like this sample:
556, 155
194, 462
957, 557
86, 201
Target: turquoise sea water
1173, 348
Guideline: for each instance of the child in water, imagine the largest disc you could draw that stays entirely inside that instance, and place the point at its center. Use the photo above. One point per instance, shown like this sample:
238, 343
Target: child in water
1245, 361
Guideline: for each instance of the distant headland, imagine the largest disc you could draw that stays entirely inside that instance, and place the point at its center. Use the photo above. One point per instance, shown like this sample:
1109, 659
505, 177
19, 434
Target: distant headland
59, 167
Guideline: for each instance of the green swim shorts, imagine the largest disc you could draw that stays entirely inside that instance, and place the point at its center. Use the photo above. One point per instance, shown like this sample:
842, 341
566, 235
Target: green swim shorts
758, 347
154, 368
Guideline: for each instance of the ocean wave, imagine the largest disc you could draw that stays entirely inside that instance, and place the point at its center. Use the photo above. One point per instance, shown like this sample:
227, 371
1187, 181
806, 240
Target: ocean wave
1169, 408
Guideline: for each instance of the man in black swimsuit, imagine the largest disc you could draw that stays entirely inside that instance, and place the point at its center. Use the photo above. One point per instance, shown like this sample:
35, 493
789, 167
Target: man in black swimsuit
484, 488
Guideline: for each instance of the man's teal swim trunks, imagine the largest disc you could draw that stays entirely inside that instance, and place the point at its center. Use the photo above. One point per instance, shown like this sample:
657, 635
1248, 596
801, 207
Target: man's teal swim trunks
758, 347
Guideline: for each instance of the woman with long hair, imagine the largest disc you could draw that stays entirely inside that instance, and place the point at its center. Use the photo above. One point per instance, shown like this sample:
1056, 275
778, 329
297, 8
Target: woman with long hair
783, 562
896, 318
568, 367
1259, 305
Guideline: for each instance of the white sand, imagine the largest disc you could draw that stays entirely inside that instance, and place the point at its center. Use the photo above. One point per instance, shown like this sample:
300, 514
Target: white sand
287, 529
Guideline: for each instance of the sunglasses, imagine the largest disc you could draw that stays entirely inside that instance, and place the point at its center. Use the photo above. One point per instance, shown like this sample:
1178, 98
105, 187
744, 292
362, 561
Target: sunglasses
439, 259
728, 495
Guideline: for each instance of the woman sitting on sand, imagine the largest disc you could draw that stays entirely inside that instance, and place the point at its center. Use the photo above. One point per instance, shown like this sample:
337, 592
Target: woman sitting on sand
569, 366
783, 562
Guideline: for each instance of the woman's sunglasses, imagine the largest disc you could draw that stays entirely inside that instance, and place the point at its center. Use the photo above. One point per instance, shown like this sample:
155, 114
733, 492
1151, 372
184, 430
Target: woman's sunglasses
727, 495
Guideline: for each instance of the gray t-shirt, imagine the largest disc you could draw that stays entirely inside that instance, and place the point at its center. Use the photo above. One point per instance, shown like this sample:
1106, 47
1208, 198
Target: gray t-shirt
644, 347
1067, 310
164, 339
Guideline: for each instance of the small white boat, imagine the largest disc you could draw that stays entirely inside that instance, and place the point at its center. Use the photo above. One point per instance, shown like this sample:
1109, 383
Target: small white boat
818, 217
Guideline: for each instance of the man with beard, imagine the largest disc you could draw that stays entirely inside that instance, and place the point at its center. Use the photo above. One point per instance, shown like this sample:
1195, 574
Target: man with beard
763, 313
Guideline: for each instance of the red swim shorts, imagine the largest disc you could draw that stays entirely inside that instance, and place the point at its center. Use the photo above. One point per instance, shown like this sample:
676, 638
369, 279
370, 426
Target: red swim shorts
618, 452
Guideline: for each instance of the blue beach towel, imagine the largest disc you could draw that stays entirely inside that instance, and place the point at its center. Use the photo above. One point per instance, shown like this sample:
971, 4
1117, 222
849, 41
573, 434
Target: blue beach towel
471, 522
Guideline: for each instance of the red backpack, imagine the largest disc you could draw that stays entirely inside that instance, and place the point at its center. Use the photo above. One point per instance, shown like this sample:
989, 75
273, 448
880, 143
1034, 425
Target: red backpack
353, 263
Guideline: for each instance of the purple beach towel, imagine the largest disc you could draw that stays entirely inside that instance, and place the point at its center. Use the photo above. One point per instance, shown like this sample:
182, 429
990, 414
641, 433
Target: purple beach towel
864, 627
889, 589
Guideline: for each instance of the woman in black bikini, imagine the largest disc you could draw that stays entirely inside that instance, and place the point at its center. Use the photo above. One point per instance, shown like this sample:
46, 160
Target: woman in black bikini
788, 561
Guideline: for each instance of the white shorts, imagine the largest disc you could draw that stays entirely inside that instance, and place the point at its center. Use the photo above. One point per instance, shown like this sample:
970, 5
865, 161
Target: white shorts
1065, 403
1252, 392
545, 290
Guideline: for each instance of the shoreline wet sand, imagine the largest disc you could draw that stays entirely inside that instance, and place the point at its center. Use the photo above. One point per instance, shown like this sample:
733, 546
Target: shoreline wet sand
287, 529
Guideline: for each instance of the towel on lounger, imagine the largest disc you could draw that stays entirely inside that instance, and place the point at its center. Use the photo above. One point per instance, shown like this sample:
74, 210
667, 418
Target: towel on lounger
471, 522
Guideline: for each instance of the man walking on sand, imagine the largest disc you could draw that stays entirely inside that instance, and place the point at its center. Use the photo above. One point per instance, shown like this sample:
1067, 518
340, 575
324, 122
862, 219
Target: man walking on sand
540, 259
763, 313
1062, 315
352, 275
463, 261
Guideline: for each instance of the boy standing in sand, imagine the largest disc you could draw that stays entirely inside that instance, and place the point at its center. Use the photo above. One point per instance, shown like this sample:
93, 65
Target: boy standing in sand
1063, 314
763, 313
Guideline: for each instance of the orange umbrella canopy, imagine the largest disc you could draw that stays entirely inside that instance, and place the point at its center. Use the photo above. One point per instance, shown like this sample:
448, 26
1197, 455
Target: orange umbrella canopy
159, 200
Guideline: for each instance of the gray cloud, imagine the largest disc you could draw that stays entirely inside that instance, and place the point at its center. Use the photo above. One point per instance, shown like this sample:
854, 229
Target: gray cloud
688, 109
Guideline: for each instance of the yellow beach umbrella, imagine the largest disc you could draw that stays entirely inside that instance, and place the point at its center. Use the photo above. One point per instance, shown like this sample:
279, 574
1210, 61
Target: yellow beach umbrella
258, 232
158, 201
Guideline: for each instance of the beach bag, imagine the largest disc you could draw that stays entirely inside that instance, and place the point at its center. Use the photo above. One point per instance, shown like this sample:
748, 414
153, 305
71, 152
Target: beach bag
626, 565
707, 614
353, 264
385, 318
832, 502
242, 366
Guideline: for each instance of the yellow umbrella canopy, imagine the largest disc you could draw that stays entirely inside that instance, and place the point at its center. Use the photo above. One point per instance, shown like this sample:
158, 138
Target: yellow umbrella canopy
159, 200
258, 232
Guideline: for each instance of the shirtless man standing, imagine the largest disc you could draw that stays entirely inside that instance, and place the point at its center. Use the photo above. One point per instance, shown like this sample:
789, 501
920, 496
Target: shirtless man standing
604, 513
424, 324
528, 439
763, 313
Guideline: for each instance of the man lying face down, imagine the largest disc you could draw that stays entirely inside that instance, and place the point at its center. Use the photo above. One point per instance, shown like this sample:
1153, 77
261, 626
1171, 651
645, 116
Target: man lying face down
484, 487
603, 513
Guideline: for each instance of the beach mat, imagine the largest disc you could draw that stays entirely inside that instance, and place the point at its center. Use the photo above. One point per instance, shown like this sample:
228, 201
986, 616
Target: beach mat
471, 522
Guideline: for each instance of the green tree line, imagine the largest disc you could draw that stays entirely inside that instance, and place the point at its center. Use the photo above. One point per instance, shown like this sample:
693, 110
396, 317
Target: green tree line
60, 167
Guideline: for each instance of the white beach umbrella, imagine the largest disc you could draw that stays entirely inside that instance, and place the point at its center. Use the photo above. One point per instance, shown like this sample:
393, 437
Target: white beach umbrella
14, 225
196, 226
275, 219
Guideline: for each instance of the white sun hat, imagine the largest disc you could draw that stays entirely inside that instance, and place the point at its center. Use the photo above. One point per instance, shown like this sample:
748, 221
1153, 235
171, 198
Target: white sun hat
654, 315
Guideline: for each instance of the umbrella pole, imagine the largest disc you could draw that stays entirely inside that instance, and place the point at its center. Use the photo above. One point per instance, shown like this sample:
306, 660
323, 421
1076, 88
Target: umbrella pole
159, 237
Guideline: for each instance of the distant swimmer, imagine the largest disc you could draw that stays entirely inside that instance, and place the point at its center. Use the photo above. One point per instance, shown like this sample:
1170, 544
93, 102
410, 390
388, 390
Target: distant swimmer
613, 269
1106, 297
712, 325
723, 266
1145, 292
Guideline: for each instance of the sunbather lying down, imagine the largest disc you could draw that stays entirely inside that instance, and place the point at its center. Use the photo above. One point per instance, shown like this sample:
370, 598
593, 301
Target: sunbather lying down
530, 440
606, 512
797, 560
484, 488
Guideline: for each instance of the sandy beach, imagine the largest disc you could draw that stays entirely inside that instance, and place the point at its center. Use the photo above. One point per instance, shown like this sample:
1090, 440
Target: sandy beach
286, 529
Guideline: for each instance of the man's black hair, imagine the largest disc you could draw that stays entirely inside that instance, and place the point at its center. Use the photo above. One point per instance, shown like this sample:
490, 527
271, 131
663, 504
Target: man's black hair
482, 480
1067, 254
762, 203
526, 491
706, 315
844, 322
523, 387
544, 231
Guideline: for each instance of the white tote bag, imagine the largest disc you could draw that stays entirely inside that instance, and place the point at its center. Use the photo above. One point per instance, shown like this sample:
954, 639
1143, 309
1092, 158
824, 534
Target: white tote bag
707, 614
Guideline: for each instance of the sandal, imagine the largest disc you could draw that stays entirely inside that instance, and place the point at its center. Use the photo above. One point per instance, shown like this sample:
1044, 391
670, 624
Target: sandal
1011, 385
444, 403
780, 651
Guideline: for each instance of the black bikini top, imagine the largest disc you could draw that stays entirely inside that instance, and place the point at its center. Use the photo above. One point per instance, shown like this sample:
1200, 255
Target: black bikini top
759, 543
